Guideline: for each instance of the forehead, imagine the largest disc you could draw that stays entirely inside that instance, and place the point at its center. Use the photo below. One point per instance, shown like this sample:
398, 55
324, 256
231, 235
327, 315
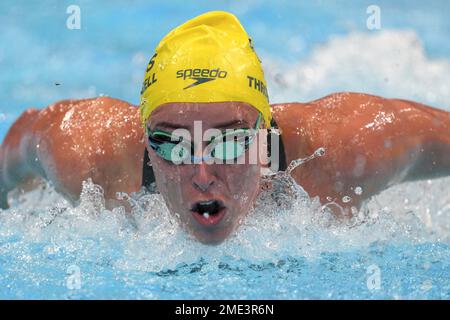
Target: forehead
211, 114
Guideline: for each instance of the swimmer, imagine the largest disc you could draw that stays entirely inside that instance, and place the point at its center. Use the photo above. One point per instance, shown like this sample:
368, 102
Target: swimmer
205, 79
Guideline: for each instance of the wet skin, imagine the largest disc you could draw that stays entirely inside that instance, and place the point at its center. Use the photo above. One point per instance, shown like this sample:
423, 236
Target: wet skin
369, 141
182, 186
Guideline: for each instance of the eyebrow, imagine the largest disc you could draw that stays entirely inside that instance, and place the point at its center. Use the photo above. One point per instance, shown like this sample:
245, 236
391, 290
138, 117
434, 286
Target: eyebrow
231, 123
170, 125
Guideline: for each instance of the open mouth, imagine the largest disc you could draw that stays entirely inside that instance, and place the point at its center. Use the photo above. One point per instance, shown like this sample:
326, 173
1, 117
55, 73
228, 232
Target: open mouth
208, 213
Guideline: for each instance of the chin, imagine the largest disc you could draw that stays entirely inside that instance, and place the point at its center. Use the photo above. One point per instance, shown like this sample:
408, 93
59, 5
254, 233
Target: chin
212, 237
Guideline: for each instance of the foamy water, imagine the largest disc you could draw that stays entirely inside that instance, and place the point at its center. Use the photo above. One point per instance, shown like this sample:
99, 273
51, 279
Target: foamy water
42, 237
390, 63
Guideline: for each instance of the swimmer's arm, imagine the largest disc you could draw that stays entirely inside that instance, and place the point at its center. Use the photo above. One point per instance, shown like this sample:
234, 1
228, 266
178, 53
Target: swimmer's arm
404, 141
110, 151
369, 141
3, 188
3, 201
431, 158
16, 168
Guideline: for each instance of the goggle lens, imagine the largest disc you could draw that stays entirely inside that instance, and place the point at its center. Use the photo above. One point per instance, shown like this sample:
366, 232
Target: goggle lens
228, 146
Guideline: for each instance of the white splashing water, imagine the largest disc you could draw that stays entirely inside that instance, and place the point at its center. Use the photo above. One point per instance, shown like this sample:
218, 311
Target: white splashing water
284, 222
390, 63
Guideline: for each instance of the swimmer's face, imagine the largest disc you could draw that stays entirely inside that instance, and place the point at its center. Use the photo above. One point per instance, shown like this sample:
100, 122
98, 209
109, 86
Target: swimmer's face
225, 191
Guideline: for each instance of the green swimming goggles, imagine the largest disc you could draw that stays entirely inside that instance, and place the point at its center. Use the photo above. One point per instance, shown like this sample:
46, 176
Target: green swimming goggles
228, 146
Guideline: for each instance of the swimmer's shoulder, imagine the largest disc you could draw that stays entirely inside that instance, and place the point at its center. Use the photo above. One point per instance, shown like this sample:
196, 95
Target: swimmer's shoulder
85, 112
326, 108
99, 132
306, 126
100, 138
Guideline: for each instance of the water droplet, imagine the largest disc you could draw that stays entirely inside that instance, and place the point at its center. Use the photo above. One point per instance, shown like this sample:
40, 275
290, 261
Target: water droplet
346, 199
297, 162
358, 190
320, 152
426, 285
387, 143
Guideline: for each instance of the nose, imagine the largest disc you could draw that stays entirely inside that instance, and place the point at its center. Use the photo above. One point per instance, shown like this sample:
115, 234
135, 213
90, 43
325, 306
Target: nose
203, 179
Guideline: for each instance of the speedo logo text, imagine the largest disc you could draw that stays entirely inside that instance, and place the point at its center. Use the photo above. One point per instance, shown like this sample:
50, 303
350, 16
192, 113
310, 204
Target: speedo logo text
201, 75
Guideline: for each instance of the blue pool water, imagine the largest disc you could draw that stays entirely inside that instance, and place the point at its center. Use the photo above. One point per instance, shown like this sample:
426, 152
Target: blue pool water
398, 249
399, 246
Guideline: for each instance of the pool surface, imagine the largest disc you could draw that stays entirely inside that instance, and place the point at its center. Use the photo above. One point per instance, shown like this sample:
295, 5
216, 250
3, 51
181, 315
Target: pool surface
398, 248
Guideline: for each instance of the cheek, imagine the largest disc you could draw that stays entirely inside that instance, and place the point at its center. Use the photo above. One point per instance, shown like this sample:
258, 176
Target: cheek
168, 181
243, 182
245, 176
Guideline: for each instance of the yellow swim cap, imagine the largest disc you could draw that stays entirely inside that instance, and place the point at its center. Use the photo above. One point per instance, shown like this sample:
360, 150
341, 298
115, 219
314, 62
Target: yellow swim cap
207, 59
